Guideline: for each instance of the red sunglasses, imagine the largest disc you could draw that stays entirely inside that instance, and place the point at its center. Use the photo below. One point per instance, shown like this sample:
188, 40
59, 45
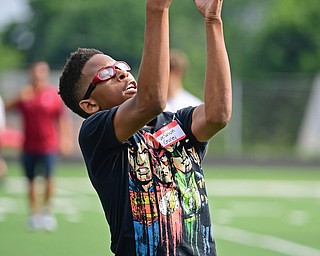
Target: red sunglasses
105, 74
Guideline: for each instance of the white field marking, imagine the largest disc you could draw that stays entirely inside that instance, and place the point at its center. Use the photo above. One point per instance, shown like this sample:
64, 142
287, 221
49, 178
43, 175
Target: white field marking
8, 205
219, 187
254, 209
298, 217
64, 186
264, 241
247, 209
73, 196
263, 188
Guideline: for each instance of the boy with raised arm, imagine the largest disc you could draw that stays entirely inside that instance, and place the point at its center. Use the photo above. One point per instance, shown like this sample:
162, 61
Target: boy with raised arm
146, 164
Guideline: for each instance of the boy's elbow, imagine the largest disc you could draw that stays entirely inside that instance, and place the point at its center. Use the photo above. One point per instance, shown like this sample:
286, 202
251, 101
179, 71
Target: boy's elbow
220, 120
158, 107
153, 107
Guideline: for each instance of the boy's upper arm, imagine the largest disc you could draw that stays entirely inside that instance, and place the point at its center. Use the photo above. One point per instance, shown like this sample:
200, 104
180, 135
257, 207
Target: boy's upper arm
201, 129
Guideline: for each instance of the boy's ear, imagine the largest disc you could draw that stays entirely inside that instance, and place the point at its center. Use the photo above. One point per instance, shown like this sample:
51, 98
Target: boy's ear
89, 106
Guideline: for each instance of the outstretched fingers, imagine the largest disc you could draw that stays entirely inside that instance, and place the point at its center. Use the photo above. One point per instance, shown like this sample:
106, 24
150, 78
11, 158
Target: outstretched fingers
209, 9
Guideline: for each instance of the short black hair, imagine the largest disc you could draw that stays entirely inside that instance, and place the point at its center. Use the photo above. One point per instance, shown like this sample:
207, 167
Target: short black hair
71, 80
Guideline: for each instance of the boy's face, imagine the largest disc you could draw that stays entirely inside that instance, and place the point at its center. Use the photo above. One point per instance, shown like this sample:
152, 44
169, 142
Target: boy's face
110, 93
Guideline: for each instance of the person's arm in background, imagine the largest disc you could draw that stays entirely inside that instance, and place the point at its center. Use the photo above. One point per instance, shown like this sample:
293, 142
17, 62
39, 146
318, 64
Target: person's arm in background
12, 103
153, 78
215, 113
23, 94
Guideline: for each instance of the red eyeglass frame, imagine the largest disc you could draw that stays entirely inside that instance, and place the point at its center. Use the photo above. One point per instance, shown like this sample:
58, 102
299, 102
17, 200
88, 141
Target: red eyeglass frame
97, 79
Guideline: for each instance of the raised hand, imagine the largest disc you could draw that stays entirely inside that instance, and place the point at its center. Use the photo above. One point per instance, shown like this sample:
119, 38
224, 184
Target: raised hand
209, 9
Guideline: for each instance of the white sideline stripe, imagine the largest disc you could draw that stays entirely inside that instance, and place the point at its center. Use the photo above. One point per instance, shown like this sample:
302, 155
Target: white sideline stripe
264, 241
218, 187
64, 186
263, 188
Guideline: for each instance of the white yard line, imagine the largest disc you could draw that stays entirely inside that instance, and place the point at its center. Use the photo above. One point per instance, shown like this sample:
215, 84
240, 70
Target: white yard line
263, 188
215, 187
268, 242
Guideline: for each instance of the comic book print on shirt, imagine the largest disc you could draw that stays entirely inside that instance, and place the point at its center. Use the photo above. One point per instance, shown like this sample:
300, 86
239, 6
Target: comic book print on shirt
168, 199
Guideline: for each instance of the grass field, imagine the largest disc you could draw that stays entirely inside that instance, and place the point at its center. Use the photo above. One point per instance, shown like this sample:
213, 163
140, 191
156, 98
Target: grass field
256, 211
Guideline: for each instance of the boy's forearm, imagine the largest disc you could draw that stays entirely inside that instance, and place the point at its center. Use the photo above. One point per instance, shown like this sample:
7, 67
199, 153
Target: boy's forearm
154, 70
218, 92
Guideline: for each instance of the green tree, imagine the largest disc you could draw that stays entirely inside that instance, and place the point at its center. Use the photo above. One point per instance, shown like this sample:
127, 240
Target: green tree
60, 27
289, 41
284, 34
10, 55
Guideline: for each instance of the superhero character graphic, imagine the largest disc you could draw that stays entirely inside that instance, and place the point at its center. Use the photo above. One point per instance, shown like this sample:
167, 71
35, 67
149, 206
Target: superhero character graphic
143, 199
167, 195
154, 199
169, 205
193, 199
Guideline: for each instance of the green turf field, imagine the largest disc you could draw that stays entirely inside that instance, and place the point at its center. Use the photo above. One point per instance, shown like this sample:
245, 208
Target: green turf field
256, 211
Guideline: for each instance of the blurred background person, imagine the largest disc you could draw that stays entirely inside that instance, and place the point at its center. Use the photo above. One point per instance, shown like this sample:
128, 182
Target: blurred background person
178, 96
47, 132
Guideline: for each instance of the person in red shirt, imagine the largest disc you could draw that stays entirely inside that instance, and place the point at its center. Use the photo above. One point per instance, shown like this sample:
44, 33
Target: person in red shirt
47, 131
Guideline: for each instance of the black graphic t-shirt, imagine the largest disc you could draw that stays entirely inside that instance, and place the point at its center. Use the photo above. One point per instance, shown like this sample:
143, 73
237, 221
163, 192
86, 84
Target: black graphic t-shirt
151, 186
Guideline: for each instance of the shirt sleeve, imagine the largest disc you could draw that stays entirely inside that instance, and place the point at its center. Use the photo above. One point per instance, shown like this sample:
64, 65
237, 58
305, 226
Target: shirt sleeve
98, 142
184, 118
97, 132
